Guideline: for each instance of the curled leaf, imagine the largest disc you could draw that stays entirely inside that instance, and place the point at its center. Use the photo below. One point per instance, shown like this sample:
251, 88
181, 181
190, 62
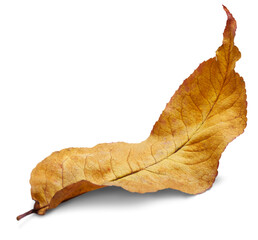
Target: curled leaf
182, 152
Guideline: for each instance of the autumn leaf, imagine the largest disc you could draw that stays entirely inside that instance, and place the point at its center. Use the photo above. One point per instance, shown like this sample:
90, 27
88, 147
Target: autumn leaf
182, 152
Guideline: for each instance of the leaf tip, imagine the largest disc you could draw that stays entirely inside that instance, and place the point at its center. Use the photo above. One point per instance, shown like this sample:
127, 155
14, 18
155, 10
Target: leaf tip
230, 16
231, 26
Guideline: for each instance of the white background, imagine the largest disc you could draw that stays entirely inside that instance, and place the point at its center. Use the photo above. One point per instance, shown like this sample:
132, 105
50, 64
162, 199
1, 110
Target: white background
78, 73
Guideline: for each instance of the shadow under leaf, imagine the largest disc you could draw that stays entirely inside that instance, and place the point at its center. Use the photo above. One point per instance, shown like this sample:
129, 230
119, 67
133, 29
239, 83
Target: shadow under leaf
116, 197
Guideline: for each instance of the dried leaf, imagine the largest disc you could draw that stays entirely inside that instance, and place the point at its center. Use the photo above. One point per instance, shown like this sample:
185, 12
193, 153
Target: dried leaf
182, 152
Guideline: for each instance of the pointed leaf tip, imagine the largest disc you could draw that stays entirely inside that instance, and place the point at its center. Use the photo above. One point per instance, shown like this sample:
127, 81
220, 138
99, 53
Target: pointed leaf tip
230, 16
231, 26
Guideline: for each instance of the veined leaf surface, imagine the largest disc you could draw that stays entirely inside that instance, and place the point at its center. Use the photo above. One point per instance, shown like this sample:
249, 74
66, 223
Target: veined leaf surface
182, 152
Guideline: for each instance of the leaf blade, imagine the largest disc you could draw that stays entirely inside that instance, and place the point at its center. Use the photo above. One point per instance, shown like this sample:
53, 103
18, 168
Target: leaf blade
182, 152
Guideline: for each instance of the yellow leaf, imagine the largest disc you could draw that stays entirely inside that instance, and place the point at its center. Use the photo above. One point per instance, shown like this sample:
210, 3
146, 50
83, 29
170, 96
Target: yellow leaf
182, 152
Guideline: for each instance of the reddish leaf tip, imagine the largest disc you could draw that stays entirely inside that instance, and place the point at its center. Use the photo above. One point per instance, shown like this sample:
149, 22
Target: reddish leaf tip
230, 16
231, 26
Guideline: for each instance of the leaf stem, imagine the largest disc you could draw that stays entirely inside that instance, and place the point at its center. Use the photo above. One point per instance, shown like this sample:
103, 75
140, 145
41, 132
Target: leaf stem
34, 210
26, 214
